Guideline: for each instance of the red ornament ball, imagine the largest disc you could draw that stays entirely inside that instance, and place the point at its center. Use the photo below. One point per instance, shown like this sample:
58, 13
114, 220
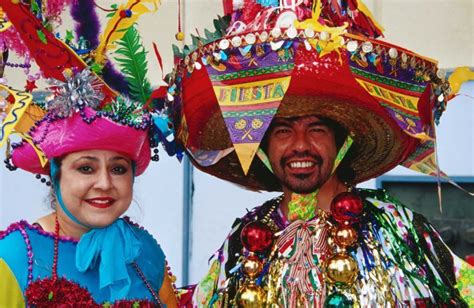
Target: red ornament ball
347, 207
256, 237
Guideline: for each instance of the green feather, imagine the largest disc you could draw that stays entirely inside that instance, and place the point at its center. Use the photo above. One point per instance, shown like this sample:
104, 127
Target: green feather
132, 61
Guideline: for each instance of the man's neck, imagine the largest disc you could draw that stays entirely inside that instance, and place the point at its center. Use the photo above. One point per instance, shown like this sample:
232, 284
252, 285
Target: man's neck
326, 193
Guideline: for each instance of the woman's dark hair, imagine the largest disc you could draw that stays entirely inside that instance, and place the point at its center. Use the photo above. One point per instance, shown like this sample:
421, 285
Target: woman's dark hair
57, 176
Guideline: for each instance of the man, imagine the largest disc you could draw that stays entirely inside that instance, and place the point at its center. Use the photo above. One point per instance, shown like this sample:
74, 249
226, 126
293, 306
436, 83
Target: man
302, 151
287, 101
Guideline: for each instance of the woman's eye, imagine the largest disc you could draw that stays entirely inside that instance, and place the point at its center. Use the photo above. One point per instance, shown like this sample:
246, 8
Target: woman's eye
119, 170
85, 169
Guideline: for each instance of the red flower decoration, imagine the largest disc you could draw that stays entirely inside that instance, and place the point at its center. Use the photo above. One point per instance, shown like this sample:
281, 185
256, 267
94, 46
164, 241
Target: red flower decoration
48, 292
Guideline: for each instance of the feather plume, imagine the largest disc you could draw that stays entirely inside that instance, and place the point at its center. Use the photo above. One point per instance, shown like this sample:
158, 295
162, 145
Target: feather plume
118, 24
132, 60
114, 79
87, 21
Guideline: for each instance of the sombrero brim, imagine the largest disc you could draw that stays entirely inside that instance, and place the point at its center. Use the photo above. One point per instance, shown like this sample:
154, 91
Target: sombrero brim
319, 86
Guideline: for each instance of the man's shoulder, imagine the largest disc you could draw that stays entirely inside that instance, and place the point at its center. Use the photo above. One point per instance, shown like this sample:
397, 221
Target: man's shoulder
380, 201
258, 212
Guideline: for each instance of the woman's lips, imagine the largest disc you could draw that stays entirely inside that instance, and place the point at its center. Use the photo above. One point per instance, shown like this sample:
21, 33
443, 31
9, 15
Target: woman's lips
101, 202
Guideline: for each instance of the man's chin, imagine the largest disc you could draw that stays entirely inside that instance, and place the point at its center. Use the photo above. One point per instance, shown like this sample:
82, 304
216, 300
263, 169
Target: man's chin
302, 188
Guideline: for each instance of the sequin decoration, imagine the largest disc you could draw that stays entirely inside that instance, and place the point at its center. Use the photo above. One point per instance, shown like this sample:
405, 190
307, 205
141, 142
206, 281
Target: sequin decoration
78, 91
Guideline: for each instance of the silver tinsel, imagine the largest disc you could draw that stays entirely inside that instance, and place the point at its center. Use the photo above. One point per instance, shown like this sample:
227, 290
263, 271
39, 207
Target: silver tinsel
78, 91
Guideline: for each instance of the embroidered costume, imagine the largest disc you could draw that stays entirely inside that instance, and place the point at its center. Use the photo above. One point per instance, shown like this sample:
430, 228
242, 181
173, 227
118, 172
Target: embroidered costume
316, 58
402, 261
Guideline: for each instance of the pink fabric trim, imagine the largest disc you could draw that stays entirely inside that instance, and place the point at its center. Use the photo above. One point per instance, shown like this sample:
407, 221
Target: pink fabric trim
63, 136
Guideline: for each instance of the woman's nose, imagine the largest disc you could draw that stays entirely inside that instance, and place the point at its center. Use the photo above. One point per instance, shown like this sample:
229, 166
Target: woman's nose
104, 180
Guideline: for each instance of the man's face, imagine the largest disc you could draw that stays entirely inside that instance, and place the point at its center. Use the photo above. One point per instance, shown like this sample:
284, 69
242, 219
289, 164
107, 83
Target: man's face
301, 152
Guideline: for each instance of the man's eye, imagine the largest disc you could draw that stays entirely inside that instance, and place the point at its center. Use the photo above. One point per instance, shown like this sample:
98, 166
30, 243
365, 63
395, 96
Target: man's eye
318, 129
279, 131
119, 170
85, 169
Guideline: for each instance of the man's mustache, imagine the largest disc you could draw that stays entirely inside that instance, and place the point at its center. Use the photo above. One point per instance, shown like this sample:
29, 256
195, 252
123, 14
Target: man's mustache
306, 154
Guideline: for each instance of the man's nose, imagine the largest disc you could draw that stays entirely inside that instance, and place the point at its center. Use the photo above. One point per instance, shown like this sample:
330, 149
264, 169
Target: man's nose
300, 141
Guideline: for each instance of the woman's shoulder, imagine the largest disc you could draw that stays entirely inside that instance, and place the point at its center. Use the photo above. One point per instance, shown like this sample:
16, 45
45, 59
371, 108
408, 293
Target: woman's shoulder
150, 244
15, 246
14, 234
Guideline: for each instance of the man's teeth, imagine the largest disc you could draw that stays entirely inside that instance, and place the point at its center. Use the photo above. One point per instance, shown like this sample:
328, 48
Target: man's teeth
299, 164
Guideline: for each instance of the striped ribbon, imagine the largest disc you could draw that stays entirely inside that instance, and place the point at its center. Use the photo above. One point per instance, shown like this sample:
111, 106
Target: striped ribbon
303, 244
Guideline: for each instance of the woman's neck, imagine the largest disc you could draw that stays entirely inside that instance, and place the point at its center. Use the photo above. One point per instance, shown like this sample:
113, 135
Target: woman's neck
66, 226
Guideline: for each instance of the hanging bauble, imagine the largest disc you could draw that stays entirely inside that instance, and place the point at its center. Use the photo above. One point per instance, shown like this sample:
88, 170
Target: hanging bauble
347, 207
345, 236
337, 300
252, 266
251, 296
179, 36
256, 237
341, 268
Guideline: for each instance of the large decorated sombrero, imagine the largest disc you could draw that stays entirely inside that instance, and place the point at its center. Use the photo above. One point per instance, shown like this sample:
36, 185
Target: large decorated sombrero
291, 58
90, 104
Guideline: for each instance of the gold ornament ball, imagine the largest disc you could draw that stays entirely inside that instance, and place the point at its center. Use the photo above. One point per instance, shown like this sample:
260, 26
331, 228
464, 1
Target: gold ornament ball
252, 266
251, 296
342, 268
179, 36
345, 236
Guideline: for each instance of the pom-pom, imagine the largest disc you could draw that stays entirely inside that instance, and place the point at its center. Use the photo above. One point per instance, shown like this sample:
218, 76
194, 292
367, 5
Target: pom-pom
61, 292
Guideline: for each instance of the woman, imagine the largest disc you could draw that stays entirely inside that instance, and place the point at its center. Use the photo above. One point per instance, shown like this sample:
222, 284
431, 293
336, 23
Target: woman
93, 188
91, 141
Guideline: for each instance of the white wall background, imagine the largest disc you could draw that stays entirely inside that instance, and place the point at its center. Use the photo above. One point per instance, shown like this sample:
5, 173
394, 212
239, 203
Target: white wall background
434, 28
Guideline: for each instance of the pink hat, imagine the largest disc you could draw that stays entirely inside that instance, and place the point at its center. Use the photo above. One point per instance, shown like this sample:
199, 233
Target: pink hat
92, 106
88, 130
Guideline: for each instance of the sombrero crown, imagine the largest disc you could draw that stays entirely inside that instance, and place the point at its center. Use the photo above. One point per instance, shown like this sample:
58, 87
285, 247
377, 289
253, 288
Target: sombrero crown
290, 58
91, 105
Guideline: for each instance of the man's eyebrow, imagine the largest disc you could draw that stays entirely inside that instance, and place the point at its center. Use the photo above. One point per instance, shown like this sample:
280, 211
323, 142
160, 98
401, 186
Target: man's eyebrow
281, 122
318, 123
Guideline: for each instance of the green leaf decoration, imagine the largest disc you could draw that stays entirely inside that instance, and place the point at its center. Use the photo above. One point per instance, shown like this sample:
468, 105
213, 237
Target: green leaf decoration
96, 68
132, 60
42, 36
220, 25
195, 39
34, 8
177, 52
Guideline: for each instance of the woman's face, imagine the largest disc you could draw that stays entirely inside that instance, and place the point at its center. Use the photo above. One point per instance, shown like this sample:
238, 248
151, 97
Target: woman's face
96, 186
